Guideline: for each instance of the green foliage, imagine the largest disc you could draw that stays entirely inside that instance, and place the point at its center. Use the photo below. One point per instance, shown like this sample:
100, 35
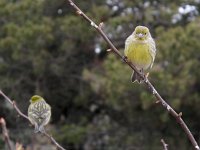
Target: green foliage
1, 143
174, 74
73, 134
51, 53
179, 58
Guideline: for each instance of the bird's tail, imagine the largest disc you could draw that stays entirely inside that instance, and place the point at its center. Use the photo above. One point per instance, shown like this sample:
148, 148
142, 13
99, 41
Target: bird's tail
39, 129
136, 77
36, 128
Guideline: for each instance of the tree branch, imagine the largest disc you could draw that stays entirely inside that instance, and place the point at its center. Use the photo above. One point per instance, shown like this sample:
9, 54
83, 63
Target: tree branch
165, 146
5, 133
146, 81
26, 117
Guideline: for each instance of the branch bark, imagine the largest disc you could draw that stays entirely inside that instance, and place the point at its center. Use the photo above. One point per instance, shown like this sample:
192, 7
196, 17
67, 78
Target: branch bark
146, 81
26, 117
5, 133
165, 146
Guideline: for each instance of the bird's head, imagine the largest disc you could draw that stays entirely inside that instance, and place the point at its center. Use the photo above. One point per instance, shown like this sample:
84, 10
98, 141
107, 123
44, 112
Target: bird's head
36, 98
141, 33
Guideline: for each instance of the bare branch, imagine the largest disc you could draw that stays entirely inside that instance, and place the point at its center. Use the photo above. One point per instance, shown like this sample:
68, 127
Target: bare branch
53, 140
26, 117
146, 81
5, 133
165, 146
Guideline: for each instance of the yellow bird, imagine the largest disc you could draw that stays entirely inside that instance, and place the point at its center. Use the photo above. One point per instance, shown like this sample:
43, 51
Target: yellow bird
140, 50
39, 113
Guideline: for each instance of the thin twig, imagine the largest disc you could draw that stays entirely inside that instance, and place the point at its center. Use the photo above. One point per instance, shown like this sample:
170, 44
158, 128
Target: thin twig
26, 117
5, 133
53, 140
165, 146
146, 81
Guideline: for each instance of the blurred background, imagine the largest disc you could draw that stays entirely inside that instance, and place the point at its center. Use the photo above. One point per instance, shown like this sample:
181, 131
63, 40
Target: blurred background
46, 49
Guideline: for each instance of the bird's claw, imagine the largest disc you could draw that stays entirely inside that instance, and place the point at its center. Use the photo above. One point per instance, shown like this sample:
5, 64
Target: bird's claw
125, 58
146, 75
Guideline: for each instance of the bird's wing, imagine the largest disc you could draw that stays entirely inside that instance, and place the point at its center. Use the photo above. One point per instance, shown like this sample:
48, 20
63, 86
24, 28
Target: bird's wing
152, 50
127, 43
46, 115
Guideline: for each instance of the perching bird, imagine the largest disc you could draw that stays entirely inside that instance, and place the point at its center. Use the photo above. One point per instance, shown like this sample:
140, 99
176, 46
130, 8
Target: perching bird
39, 113
140, 50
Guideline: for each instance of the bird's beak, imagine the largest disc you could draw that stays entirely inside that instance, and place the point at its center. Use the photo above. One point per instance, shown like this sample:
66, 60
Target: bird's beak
140, 35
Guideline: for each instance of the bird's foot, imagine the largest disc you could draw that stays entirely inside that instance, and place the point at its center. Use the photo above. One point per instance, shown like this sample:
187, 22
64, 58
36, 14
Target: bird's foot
125, 58
146, 75
144, 78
